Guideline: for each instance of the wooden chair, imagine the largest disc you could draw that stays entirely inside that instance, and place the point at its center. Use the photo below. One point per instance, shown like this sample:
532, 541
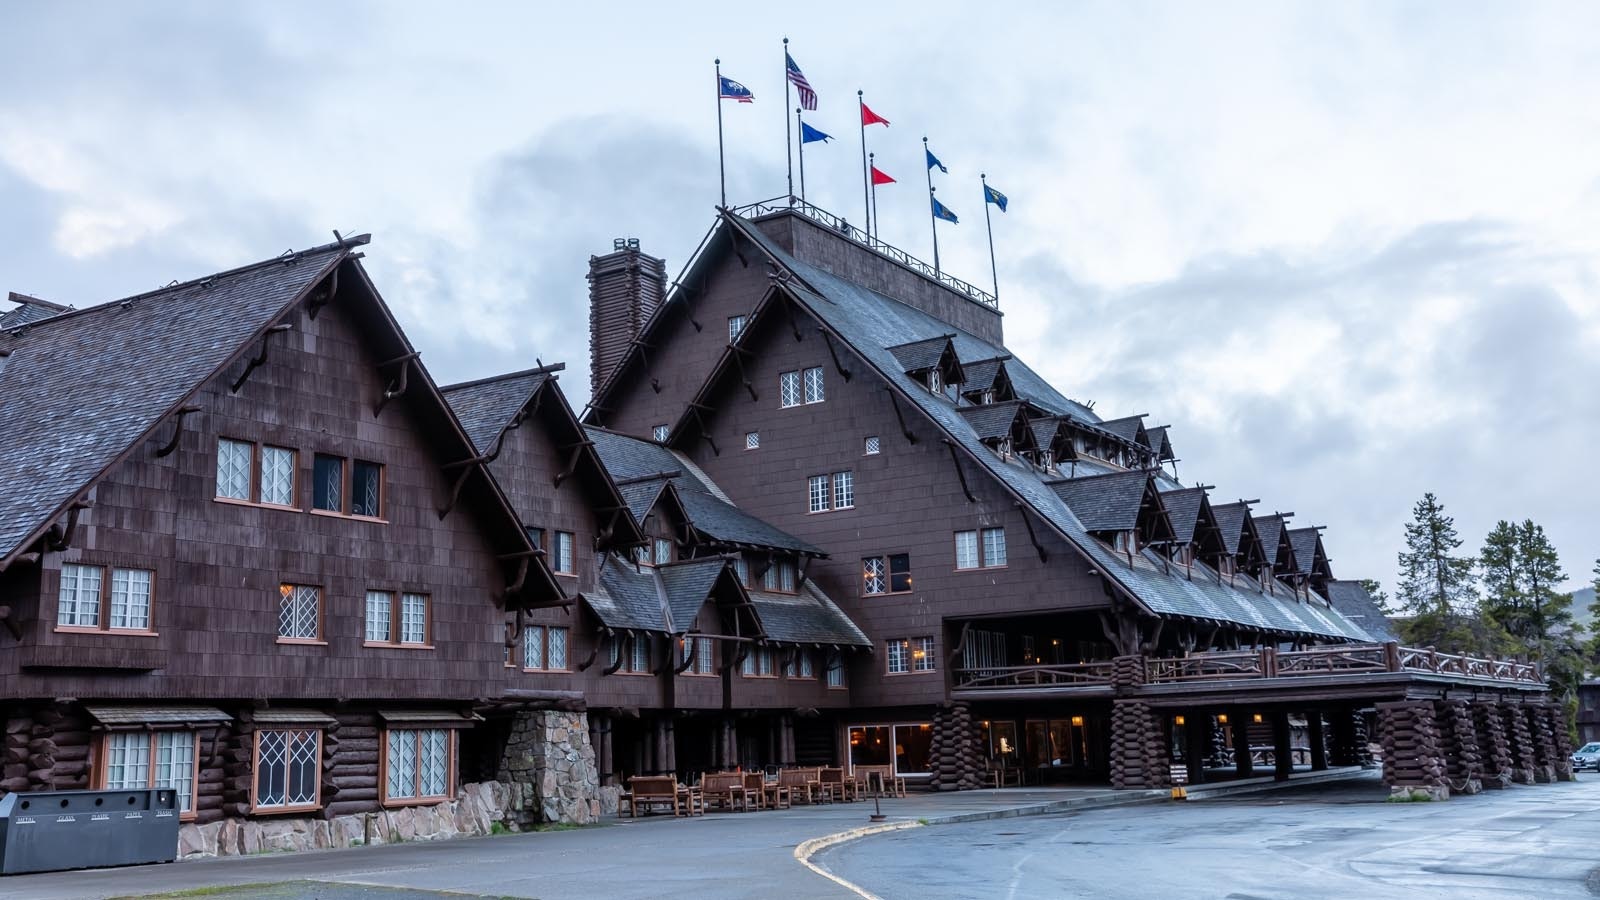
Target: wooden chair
725, 790
802, 784
890, 784
755, 790
649, 792
834, 783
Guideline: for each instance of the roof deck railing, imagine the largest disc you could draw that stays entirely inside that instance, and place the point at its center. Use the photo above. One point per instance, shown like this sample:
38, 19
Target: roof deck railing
837, 223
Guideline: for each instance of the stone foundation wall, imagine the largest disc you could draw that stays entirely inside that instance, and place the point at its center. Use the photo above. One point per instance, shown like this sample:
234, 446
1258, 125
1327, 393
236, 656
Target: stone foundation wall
475, 811
549, 768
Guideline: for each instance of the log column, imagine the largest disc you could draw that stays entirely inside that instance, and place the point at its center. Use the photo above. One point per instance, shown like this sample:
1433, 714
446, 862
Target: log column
1243, 765
1282, 747
1196, 746
1458, 736
1520, 742
1411, 763
1556, 713
1318, 739
1139, 754
1544, 743
1494, 752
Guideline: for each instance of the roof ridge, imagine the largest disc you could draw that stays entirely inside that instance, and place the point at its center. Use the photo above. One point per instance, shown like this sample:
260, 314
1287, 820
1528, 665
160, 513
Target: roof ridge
545, 369
22, 299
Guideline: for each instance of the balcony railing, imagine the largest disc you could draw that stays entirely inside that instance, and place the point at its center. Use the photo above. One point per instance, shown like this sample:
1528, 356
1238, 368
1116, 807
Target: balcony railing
835, 223
1210, 667
1060, 675
1338, 659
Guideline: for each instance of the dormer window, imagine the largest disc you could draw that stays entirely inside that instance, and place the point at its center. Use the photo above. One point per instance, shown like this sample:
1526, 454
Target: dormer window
1123, 542
935, 381
1004, 448
986, 396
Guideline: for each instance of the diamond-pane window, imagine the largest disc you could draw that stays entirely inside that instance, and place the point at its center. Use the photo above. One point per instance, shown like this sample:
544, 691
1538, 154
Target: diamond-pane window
233, 469
434, 775
557, 650
752, 440
813, 378
327, 486
287, 768
299, 609
660, 433
366, 489
277, 476
533, 647
873, 446
872, 576
789, 389
703, 661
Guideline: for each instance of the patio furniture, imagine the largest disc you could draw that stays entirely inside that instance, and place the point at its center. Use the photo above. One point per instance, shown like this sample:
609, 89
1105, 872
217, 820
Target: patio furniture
774, 793
725, 790
884, 779
652, 792
835, 783
691, 800
803, 785
755, 790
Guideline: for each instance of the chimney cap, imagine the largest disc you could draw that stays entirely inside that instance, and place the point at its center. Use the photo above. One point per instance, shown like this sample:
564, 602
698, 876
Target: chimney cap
620, 244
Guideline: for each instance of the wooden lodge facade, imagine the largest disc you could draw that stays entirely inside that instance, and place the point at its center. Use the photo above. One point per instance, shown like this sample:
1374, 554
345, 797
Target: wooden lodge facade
815, 513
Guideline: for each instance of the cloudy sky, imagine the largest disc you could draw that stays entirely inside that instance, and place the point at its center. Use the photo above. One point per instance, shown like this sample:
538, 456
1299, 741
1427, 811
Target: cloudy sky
1346, 251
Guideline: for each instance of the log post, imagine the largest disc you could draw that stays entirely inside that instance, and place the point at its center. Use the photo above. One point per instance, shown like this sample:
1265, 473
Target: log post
1282, 747
1519, 742
1458, 744
1243, 765
1318, 739
1411, 763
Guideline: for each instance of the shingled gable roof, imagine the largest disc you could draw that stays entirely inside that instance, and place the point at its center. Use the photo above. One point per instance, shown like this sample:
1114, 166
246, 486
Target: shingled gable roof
1307, 544
995, 421
1183, 510
488, 407
866, 323
1053, 432
1276, 546
1232, 519
920, 356
984, 374
198, 330
1160, 443
649, 469
29, 310
1106, 502
1353, 601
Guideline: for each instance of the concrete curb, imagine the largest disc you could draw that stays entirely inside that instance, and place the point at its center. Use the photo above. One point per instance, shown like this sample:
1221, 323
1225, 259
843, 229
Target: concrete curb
807, 849
1127, 798
1258, 785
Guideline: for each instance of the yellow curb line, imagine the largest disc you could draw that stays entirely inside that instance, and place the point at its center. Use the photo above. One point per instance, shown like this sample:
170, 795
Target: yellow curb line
807, 849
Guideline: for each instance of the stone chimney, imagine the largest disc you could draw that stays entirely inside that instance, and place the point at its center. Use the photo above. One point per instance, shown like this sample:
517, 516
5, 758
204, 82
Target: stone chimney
625, 289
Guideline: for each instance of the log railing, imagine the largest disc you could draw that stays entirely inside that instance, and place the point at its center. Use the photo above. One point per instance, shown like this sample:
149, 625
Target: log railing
1061, 675
1210, 667
1336, 659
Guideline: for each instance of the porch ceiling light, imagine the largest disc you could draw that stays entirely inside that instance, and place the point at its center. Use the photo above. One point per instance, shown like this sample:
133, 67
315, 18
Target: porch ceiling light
1078, 721
1178, 720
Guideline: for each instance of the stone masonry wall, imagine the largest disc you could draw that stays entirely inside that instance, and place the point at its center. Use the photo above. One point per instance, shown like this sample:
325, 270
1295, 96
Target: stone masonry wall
549, 769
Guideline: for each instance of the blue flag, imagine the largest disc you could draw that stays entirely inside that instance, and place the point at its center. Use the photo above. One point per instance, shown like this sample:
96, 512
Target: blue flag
934, 160
809, 135
990, 195
940, 211
733, 90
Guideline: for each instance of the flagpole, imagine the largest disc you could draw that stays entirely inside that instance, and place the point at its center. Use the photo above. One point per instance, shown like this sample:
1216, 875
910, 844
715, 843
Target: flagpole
866, 177
994, 272
722, 170
871, 164
800, 127
788, 138
932, 219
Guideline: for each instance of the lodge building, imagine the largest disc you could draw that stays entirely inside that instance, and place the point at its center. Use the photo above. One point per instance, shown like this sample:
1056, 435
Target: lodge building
814, 512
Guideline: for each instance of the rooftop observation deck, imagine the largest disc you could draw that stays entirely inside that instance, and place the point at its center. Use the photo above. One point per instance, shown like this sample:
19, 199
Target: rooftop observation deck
817, 214
1350, 666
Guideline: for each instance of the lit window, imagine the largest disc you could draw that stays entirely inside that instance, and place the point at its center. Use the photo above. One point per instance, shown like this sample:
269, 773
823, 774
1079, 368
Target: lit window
813, 377
873, 446
413, 618
872, 576
922, 658
899, 573
660, 432
966, 550
233, 469
704, 664
380, 615
817, 490
994, 547
844, 490
752, 440
299, 612
735, 328
417, 764
277, 476
789, 389
366, 489
663, 551
899, 656
287, 768
145, 759
562, 560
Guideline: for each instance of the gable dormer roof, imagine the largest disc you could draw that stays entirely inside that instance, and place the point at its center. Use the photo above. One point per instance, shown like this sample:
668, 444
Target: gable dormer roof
1129, 428
1110, 502
919, 357
1183, 510
1309, 557
987, 375
1160, 443
29, 310
1052, 433
998, 421
1273, 533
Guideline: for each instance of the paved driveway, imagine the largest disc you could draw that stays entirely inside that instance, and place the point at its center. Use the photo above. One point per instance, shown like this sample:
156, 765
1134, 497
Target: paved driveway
1335, 841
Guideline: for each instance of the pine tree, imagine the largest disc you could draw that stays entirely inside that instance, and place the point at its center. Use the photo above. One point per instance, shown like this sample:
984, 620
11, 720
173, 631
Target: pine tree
1376, 592
1544, 609
1502, 588
1432, 580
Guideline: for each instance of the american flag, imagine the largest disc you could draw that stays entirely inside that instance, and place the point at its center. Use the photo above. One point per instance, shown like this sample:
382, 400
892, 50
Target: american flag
808, 97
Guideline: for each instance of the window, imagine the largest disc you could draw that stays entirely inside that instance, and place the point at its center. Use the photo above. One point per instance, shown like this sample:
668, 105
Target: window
807, 667
966, 550
935, 381
416, 763
639, 659
780, 576
741, 567
234, 462
660, 432
380, 608
735, 328
789, 389
758, 663
405, 623
844, 490
752, 440
151, 759
413, 618
872, 576
85, 599
990, 541
911, 655
700, 651
327, 485
835, 669
899, 573
663, 551
287, 769
873, 446
813, 379
817, 493
366, 489
544, 648
562, 557
299, 612
277, 476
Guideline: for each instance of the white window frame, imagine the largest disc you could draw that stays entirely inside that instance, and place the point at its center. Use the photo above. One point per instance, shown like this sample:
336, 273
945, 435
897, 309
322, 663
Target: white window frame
897, 657
815, 389
663, 551
967, 550
152, 759
292, 601
565, 548
78, 600
874, 572
993, 541
414, 616
132, 599
923, 658
736, 326
844, 490
835, 669
277, 476
230, 469
788, 389
380, 617
533, 647
752, 440
872, 446
418, 766
818, 493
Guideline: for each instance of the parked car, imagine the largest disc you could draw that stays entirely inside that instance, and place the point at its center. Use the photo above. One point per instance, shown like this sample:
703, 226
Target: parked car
1587, 757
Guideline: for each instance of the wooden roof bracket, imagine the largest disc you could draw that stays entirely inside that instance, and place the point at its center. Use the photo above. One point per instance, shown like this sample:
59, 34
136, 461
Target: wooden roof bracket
7, 619
622, 655
455, 489
738, 360
704, 432
794, 325
899, 416
594, 652
826, 339
688, 661
1033, 538
514, 630
644, 360
59, 537
317, 301
960, 472
399, 383
260, 359
572, 463
22, 559
177, 431
515, 586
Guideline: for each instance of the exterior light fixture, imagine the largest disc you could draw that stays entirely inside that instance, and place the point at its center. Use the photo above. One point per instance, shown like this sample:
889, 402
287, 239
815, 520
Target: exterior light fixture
1077, 721
1178, 720
1256, 718
1222, 718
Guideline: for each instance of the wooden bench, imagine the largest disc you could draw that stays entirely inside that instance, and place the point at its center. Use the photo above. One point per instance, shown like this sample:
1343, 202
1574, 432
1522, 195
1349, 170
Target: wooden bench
652, 792
725, 790
883, 779
803, 784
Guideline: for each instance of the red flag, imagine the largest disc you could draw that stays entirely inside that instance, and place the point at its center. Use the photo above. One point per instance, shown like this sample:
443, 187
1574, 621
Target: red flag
868, 117
878, 177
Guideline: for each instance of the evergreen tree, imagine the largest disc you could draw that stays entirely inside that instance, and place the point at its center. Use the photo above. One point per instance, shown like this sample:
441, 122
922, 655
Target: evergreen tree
1544, 610
1594, 614
1502, 588
1376, 592
1432, 579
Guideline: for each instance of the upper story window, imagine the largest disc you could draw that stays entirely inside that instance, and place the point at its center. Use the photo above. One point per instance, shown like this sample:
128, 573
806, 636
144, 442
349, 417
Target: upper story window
403, 620
817, 493
789, 389
735, 328
833, 491
255, 473
804, 386
844, 490
758, 663
907, 655
935, 381
800, 665
663, 551
699, 653
660, 432
299, 613
544, 647
741, 567
752, 440
88, 600
835, 669
417, 765
780, 576
562, 552
360, 495
813, 379
983, 548
890, 574
872, 446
